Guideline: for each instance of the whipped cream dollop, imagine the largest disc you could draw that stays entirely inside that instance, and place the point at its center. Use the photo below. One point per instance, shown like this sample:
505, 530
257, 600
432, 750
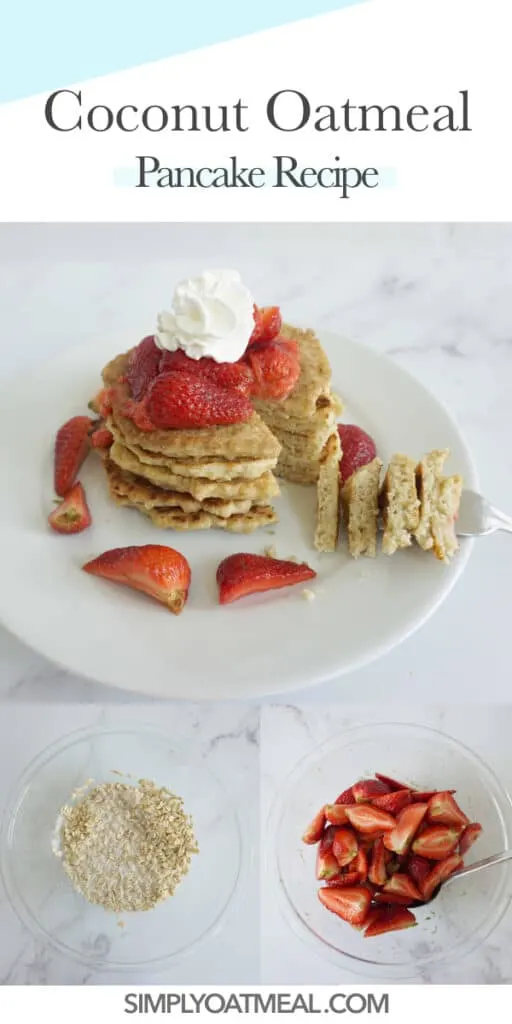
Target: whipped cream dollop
211, 315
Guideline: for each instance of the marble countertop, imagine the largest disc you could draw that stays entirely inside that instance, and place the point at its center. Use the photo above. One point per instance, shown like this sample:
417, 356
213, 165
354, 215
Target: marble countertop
286, 958
434, 297
224, 740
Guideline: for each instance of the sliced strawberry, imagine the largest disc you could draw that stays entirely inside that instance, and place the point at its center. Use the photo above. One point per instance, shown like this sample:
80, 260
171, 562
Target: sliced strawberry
368, 840
343, 880
366, 818
470, 835
326, 864
243, 574
232, 376
72, 444
360, 865
364, 791
315, 829
393, 864
158, 571
402, 885
181, 401
336, 814
347, 797
102, 438
267, 324
444, 810
392, 899
358, 450
392, 783
351, 904
408, 822
436, 842
72, 514
418, 869
372, 915
344, 846
439, 873
393, 802
377, 873
423, 796
102, 402
275, 369
143, 366
390, 921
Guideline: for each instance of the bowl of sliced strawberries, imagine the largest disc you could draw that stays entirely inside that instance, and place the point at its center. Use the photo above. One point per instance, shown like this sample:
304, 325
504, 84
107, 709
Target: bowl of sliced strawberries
367, 831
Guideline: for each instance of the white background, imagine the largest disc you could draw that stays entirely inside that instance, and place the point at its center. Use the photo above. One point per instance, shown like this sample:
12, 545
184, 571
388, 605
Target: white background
402, 52
436, 298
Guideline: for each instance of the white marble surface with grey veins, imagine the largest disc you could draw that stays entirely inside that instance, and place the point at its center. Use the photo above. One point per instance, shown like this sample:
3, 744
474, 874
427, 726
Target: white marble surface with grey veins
436, 298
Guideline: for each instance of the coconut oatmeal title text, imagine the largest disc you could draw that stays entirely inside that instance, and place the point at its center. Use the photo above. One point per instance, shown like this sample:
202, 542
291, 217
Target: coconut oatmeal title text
287, 111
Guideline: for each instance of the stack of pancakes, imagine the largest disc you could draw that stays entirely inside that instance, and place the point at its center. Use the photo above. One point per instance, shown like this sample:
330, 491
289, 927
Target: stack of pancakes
305, 421
192, 479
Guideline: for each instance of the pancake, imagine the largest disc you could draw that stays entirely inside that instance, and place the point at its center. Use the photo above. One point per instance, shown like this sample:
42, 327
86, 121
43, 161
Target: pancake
263, 515
127, 489
265, 486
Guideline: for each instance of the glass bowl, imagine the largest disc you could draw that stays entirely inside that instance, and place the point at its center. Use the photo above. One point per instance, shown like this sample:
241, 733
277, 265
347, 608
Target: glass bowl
43, 896
463, 915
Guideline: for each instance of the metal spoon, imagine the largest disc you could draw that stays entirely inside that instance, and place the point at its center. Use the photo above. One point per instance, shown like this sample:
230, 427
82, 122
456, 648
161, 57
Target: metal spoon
478, 517
479, 865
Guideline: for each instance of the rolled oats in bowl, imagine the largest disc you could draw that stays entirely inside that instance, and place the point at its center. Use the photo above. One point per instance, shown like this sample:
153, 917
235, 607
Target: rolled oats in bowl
124, 846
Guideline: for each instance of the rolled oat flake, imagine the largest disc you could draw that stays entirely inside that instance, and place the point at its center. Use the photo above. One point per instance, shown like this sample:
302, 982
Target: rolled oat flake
126, 847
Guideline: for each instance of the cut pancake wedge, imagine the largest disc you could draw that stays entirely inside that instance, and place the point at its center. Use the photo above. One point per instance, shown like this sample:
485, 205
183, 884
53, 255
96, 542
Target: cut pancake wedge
360, 502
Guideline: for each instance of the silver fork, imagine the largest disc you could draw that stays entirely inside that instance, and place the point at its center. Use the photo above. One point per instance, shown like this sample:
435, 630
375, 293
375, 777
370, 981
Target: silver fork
478, 517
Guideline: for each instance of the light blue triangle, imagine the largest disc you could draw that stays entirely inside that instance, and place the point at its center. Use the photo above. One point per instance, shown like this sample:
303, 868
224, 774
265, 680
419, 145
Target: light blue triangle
48, 44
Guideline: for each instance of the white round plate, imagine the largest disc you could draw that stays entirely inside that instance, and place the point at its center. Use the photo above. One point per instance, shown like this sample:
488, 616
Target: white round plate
265, 644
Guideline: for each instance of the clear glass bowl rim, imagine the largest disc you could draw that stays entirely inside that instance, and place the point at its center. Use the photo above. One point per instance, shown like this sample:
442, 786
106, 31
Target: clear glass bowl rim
361, 965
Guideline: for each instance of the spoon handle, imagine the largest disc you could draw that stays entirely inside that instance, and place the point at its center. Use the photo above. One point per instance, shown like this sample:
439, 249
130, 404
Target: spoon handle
479, 865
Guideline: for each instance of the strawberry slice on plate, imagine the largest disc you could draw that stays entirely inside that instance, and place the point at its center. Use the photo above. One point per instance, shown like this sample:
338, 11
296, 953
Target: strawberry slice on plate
444, 810
158, 571
436, 842
364, 791
351, 904
243, 574
470, 835
315, 829
390, 920
72, 514
72, 445
366, 818
407, 824
439, 873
